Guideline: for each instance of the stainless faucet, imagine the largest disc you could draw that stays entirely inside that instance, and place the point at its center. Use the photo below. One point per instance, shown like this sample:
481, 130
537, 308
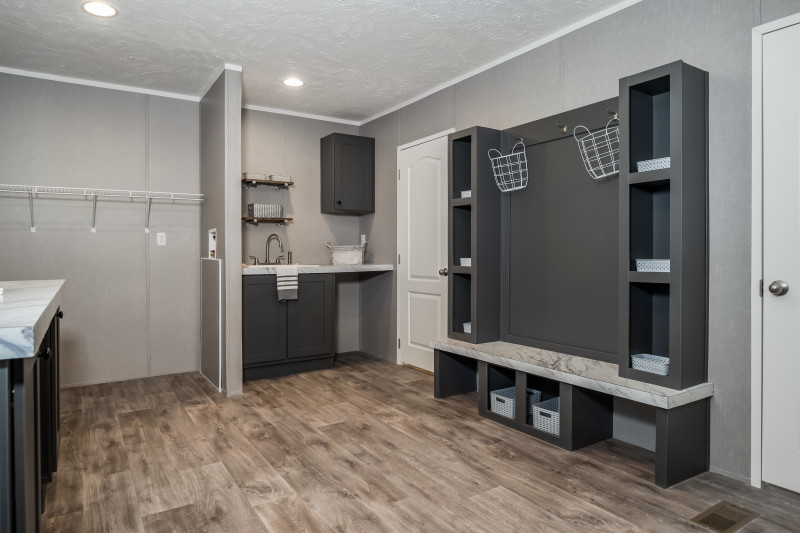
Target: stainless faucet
280, 244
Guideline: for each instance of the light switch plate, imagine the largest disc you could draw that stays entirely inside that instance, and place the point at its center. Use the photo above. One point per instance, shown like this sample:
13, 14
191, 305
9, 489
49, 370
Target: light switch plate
161, 239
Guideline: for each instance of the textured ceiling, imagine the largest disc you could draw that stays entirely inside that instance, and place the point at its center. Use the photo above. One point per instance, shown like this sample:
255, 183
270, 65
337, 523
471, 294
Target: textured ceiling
358, 57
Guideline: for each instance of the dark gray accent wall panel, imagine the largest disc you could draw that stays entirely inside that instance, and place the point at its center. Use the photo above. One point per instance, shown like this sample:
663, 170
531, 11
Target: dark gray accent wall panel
560, 268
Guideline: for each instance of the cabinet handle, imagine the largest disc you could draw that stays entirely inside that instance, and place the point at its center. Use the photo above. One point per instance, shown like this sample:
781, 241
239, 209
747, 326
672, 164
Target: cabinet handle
46, 354
60, 314
339, 202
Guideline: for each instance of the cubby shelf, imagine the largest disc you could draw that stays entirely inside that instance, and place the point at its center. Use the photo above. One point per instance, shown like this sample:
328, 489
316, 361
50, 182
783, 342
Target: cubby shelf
663, 215
654, 177
474, 226
648, 277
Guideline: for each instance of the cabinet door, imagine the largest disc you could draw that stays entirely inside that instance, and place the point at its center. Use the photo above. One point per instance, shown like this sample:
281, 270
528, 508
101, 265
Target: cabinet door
263, 321
354, 174
311, 317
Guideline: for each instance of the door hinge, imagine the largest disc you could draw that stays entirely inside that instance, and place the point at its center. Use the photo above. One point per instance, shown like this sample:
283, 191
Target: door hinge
398, 259
761, 288
398, 342
398, 173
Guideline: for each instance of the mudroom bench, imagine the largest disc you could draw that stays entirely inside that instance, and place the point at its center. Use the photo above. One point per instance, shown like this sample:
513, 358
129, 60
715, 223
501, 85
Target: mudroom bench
568, 400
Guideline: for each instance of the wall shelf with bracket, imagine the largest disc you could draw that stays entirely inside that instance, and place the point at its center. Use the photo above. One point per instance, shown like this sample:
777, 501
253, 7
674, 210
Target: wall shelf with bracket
35, 191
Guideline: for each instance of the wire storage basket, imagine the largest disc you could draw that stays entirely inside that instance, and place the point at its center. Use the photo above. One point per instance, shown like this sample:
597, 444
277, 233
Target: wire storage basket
510, 171
599, 150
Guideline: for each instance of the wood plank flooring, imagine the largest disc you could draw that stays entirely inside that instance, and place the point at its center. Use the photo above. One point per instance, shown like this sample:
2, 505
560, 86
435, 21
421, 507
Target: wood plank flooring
362, 447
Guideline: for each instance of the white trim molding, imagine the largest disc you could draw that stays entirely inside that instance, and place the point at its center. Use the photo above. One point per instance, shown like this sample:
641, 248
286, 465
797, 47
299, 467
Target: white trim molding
98, 84
757, 249
301, 115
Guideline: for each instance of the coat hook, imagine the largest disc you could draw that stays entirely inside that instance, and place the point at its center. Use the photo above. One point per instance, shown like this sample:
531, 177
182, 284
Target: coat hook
613, 114
562, 127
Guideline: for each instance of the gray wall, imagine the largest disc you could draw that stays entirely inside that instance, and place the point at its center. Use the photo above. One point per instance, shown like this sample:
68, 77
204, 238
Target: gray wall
221, 167
584, 67
131, 308
282, 144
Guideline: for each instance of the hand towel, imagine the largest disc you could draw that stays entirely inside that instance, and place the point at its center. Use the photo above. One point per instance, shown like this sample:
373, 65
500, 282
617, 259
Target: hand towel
287, 282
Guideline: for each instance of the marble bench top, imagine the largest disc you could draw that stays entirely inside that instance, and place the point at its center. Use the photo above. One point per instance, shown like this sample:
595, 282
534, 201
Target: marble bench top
580, 371
26, 309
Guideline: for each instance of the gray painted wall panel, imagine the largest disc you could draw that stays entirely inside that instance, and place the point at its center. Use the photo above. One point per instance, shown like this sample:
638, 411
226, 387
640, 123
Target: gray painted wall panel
62, 134
282, 144
711, 35
379, 293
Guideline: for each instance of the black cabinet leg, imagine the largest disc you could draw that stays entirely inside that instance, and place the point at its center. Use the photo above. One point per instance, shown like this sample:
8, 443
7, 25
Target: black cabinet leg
453, 374
681, 443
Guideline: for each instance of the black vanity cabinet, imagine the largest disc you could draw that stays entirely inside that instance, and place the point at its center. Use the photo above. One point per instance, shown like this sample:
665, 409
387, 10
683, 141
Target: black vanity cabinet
280, 338
348, 174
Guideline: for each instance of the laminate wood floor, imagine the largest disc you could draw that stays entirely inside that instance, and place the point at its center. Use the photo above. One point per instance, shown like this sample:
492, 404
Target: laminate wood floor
361, 447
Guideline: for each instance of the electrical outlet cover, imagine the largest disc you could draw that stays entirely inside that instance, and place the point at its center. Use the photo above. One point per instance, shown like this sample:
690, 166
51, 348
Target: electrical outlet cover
161, 239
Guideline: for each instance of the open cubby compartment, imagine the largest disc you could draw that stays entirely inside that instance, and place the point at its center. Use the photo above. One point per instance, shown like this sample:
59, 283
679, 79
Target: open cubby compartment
462, 233
649, 222
462, 302
498, 377
649, 320
462, 165
548, 388
649, 121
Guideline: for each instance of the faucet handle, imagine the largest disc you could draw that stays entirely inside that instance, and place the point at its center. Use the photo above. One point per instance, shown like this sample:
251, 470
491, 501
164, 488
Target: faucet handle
289, 259
279, 259
255, 259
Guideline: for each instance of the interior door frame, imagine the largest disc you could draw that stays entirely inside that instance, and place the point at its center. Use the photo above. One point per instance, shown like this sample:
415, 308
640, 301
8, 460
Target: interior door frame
757, 249
397, 220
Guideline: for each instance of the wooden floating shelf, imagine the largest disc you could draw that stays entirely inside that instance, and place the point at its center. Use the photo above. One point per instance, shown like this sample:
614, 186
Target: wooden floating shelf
254, 183
255, 221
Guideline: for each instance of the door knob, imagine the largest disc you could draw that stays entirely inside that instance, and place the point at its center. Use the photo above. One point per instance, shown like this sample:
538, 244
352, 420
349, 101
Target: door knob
779, 287
443, 271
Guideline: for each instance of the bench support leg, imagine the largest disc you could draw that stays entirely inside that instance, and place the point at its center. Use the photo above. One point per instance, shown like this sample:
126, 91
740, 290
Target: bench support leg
681, 443
453, 374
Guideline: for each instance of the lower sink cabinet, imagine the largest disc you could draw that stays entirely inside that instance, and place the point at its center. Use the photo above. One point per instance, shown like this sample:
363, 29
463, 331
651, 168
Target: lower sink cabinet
280, 338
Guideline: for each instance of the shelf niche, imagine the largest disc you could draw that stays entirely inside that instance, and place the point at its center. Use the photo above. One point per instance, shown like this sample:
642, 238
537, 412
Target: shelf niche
649, 120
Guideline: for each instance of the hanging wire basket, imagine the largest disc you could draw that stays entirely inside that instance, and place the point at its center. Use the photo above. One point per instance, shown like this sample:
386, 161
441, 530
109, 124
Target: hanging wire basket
600, 150
510, 171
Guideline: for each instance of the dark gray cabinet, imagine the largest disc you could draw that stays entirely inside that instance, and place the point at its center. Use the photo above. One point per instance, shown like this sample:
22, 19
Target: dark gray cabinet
348, 174
474, 232
280, 338
263, 321
663, 215
29, 433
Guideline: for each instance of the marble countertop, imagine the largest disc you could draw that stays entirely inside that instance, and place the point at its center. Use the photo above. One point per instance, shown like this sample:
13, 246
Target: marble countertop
579, 371
26, 309
318, 269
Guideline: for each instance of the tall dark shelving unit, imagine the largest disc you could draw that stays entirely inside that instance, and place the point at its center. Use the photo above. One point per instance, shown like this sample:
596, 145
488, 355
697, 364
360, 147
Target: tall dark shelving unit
663, 215
474, 232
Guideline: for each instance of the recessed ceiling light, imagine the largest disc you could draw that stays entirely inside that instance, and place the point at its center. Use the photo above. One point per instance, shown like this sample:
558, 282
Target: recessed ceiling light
99, 9
293, 82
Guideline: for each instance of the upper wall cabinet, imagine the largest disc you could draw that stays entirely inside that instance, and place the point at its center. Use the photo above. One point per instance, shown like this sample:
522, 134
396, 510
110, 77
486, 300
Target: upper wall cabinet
348, 174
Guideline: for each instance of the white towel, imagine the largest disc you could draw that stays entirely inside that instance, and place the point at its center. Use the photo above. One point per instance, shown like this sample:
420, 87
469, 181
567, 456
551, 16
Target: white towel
287, 282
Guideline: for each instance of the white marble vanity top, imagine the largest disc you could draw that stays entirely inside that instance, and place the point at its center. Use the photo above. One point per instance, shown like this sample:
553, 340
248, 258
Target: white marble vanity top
318, 269
578, 371
26, 309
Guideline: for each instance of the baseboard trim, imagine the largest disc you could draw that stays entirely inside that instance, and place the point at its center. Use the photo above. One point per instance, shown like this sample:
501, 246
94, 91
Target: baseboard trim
100, 382
737, 477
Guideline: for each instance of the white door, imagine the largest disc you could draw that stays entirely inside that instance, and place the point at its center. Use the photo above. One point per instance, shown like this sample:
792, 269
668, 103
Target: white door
421, 250
781, 149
